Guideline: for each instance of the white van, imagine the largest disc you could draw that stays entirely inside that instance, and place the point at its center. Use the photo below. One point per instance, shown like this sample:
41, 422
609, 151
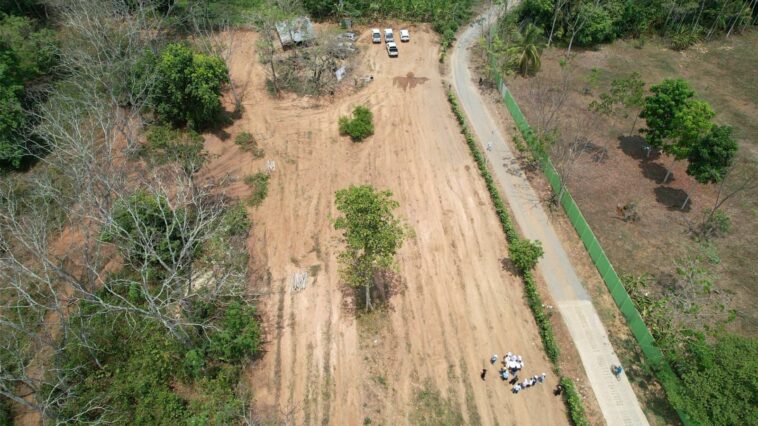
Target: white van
376, 36
388, 36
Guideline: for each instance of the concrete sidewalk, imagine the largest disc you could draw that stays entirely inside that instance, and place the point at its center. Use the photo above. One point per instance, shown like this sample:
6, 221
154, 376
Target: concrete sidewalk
616, 398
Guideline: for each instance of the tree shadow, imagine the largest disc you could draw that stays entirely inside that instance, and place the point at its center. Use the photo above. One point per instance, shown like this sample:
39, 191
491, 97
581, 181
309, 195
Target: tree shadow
636, 147
507, 265
673, 198
654, 171
386, 284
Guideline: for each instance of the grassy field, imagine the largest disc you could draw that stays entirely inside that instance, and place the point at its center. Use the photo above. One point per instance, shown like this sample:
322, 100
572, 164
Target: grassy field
722, 73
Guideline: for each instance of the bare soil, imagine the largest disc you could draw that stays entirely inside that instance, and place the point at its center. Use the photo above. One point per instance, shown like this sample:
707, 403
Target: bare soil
323, 362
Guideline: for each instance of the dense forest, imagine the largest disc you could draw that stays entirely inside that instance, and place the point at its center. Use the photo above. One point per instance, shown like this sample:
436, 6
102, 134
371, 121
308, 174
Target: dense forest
589, 22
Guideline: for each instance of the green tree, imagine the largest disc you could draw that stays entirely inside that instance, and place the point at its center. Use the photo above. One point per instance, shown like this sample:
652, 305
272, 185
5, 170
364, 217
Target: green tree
625, 92
690, 124
372, 235
526, 50
712, 156
319, 9
538, 12
35, 48
719, 384
660, 108
188, 86
239, 335
26, 54
597, 27
12, 119
525, 254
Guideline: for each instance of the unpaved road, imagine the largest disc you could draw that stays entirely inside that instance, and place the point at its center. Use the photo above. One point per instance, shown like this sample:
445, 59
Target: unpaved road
458, 305
616, 398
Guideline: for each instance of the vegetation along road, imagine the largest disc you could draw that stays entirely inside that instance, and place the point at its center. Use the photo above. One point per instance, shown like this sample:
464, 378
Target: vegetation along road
616, 398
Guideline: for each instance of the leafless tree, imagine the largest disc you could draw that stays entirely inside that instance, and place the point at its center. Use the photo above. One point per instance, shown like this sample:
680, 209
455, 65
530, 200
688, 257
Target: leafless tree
547, 100
571, 145
54, 252
556, 11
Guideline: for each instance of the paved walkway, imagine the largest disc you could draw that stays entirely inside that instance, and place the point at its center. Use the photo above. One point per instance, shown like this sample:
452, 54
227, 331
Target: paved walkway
616, 398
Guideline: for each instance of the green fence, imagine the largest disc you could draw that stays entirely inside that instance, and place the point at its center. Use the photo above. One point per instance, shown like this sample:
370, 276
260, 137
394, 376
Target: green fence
653, 354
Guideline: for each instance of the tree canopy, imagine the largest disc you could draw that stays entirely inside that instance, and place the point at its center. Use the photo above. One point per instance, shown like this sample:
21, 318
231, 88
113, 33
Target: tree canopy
371, 232
591, 22
526, 50
525, 254
188, 86
720, 386
668, 99
26, 54
712, 156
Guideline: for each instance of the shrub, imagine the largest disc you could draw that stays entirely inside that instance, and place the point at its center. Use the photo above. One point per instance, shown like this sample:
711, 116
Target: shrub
239, 337
247, 142
683, 39
525, 254
6, 418
193, 364
165, 144
532, 295
258, 183
360, 126
573, 403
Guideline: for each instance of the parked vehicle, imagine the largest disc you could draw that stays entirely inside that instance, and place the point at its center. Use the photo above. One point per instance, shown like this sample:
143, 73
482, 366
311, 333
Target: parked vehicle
405, 36
392, 49
376, 36
388, 36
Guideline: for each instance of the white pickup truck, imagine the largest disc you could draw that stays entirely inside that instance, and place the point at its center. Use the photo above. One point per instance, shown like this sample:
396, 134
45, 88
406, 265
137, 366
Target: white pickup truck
388, 36
392, 49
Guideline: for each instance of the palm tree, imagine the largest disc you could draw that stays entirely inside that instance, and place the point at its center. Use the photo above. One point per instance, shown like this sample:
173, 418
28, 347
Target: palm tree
526, 50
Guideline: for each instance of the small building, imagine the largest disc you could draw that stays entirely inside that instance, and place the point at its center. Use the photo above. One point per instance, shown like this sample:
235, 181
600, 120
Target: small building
295, 32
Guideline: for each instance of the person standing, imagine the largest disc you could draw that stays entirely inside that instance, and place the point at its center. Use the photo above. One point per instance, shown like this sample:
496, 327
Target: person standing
484, 374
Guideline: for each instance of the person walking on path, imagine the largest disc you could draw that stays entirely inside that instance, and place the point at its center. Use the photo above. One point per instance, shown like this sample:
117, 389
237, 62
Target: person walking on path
484, 374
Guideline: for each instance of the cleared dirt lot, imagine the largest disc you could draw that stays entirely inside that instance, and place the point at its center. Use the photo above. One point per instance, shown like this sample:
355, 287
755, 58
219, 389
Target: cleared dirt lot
458, 305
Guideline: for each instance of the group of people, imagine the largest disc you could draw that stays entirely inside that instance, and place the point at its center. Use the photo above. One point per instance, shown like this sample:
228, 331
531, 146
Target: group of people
511, 366
528, 382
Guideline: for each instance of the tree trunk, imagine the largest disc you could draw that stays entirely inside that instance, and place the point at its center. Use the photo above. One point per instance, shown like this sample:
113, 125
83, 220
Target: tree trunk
699, 14
558, 5
368, 297
634, 124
